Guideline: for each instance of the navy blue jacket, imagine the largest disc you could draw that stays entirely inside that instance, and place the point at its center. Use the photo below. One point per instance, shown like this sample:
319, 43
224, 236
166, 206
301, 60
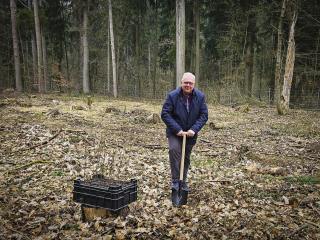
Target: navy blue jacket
175, 115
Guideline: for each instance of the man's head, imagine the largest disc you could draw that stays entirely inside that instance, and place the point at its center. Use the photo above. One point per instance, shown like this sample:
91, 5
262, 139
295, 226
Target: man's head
187, 82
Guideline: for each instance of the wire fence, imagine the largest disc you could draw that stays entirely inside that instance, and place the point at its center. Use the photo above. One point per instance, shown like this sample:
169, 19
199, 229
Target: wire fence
298, 99
225, 95
233, 96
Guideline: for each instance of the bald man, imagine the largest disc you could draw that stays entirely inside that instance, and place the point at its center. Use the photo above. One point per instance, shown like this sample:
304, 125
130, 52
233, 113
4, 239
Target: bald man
184, 112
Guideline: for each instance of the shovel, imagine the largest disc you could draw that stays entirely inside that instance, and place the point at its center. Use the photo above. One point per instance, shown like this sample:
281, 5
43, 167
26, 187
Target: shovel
180, 196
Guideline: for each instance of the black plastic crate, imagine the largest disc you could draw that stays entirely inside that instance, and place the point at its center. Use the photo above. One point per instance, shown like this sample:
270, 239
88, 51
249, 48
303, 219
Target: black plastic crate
105, 193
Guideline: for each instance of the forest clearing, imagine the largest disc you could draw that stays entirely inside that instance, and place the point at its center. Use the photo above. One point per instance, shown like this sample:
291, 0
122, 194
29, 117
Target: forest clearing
254, 174
82, 89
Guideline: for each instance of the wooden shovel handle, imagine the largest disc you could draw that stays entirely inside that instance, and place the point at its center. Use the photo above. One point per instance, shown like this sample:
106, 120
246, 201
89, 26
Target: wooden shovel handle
183, 153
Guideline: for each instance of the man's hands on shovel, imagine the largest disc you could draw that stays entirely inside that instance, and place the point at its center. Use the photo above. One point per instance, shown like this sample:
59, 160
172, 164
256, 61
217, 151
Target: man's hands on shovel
189, 133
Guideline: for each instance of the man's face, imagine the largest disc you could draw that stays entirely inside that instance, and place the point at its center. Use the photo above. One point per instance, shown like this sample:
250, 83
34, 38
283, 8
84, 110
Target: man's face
187, 85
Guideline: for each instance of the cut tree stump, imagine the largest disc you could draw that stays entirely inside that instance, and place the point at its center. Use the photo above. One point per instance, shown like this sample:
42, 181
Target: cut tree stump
153, 118
112, 109
91, 213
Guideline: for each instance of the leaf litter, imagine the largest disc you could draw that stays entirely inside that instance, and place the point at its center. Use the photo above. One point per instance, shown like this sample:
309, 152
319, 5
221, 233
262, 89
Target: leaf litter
254, 174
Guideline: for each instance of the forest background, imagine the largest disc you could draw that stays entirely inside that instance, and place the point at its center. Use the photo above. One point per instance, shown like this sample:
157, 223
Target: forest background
237, 49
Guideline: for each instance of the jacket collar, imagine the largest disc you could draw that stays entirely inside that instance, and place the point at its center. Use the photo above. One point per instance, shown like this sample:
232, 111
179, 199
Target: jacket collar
192, 94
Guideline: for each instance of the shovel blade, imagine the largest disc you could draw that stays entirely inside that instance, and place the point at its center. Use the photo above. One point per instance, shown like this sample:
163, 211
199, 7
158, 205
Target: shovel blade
179, 197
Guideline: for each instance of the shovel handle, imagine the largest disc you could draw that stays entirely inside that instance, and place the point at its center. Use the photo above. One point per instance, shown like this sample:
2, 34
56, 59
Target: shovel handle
183, 153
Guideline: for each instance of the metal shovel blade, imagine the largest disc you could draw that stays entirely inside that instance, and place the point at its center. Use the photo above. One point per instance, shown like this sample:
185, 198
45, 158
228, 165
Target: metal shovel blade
179, 197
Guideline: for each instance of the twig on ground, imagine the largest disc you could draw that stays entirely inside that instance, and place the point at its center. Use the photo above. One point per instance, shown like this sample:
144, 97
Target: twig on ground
312, 223
298, 230
16, 231
205, 141
314, 209
74, 130
151, 146
30, 164
37, 145
222, 180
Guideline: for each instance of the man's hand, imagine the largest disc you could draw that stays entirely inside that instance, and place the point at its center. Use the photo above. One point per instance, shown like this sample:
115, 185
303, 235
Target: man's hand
181, 133
190, 133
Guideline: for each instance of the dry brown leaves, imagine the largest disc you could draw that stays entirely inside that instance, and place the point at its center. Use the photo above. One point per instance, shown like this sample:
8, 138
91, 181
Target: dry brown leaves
256, 177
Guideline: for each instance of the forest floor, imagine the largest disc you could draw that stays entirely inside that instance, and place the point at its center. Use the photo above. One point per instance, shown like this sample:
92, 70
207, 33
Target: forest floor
254, 174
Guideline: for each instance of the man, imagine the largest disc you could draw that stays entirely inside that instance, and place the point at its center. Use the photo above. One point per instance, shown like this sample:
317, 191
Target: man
184, 112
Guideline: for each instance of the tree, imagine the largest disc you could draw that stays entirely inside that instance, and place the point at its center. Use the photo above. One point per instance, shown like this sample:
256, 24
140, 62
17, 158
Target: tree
85, 69
283, 105
108, 59
197, 43
138, 33
33, 51
180, 40
45, 63
41, 85
156, 48
249, 60
57, 16
277, 84
13, 8
113, 54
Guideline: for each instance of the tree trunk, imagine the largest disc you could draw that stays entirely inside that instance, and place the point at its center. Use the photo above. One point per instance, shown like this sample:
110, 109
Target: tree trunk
250, 55
180, 40
197, 21
23, 58
283, 106
118, 65
137, 55
18, 82
34, 61
79, 83
85, 68
108, 60
114, 67
39, 46
26, 84
34, 54
277, 84
149, 60
218, 85
66, 50
156, 50
45, 64
316, 64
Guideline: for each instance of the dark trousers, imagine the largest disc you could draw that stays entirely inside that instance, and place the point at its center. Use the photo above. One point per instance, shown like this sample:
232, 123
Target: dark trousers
175, 150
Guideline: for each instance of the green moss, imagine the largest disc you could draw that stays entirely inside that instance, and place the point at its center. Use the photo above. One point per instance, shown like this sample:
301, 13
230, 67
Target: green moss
207, 162
57, 173
75, 139
303, 179
269, 177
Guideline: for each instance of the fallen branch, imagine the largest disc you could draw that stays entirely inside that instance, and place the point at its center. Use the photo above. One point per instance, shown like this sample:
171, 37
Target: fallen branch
314, 209
30, 164
6, 162
74, 130
39, 144
298, 230
151, 146
204, 150
312, 223
114, 145
222, 181
16, 231
205, 141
